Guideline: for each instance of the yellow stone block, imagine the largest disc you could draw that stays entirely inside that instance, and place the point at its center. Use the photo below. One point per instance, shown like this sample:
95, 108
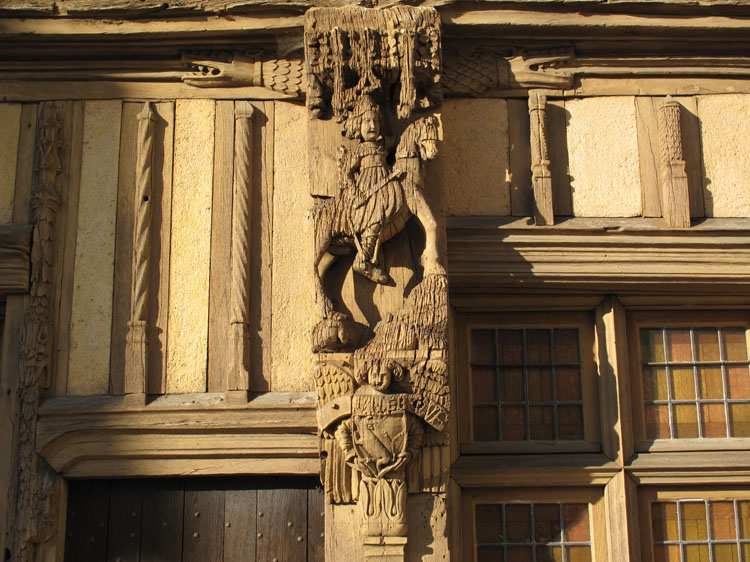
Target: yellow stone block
91, 314
603, 157
190, 253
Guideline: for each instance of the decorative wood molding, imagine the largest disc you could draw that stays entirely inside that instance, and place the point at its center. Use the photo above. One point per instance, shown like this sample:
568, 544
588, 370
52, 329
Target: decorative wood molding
675, 198
383, 400
578, 469
238, 379
541, 177
697, 467
15, 250
137, 338
632, 254
104, 436
35, 517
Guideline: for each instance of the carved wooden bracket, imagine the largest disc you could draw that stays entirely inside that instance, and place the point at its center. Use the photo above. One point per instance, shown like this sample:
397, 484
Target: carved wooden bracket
541, 177
383, 394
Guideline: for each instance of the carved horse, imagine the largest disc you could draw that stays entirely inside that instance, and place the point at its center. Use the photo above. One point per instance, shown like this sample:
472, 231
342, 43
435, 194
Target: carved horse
335, 235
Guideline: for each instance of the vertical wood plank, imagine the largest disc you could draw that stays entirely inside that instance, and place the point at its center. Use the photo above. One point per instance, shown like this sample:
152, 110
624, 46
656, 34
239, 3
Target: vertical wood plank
623, 532
67, 234
219, 345
315, 525
203, 534
25, 164
10, 369
648, 154
161, 220
123, 245
693, 153
614, 380
521, 193
282, 519
124, 534
91, 317
86, 527
187, 348
557, 120
240, 513
10, 117
161, 527
261, 229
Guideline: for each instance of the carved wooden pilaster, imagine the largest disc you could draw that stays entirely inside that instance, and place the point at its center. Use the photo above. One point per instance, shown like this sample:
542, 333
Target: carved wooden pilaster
383, 399
137, 342
37, 496
238, 381
541, 176
675, 198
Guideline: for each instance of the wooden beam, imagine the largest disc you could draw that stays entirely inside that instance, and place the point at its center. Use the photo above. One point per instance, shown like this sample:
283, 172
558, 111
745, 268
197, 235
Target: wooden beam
15, 248
174, 435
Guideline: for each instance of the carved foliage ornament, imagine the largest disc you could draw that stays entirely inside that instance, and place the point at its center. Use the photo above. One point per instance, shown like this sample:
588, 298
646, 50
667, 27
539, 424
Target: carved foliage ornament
383, 398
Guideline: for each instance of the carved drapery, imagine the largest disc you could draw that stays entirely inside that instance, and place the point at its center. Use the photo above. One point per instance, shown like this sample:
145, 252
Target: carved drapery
37, 495
383, 398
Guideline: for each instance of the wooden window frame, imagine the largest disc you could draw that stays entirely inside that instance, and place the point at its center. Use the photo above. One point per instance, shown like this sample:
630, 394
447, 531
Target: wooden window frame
581, 320
638, 319
593, 496
650, 494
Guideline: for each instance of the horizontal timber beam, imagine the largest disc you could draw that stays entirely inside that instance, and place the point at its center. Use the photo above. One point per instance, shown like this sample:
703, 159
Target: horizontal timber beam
605, 254
15, 246
97, 437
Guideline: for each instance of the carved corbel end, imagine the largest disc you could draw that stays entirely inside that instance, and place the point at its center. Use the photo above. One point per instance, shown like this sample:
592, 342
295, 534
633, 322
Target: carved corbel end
543, 69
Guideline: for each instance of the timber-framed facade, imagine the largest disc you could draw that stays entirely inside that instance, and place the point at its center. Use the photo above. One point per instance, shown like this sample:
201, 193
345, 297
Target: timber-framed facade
328, 281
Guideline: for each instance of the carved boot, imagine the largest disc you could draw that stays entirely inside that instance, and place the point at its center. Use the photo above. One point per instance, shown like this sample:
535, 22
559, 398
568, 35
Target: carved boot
364, 261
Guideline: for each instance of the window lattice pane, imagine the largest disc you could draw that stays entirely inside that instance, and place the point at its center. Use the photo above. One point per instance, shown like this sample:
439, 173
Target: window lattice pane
698, 530
526, 385
535, 532
696, 383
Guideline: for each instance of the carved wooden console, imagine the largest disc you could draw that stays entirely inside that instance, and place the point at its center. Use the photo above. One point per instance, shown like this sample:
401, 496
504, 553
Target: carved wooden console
383, 394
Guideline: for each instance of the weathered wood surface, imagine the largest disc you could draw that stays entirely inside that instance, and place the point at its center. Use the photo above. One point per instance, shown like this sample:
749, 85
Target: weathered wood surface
587, 251
125, 513
15, 245
100, 436
86, 527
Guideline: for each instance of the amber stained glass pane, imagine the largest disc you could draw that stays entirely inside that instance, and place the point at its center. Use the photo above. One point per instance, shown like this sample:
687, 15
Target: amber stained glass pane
576, 522
652, 346
483, 383
547, 522
664, 521
568, 384
570, 422
739, 416
743, 512
520, 554
566, 346
667, 553
713, 420
725, 553
549, 554
655, 383
679, 349
513, 422
511, 384
693, 521
710, 383
696, 553
685, 421
738, 381
490, 554
485, 423
657, 421
510, 347
540, 384
518, 523
707, 345
542, 422
578, 553
538, 349
489, 523
735, 344
483, 347
683, 383
722, 521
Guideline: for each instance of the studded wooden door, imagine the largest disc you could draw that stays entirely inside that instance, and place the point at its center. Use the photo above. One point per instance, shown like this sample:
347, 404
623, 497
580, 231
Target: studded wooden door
194, 520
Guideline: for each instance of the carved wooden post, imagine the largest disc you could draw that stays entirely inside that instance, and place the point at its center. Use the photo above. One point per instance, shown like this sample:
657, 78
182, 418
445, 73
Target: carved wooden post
36, 509
238, 380
675, 198
136, 347
383, 401
540, 172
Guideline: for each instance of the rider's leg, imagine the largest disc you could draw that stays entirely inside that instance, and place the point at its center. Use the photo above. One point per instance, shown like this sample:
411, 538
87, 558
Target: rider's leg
430, 261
